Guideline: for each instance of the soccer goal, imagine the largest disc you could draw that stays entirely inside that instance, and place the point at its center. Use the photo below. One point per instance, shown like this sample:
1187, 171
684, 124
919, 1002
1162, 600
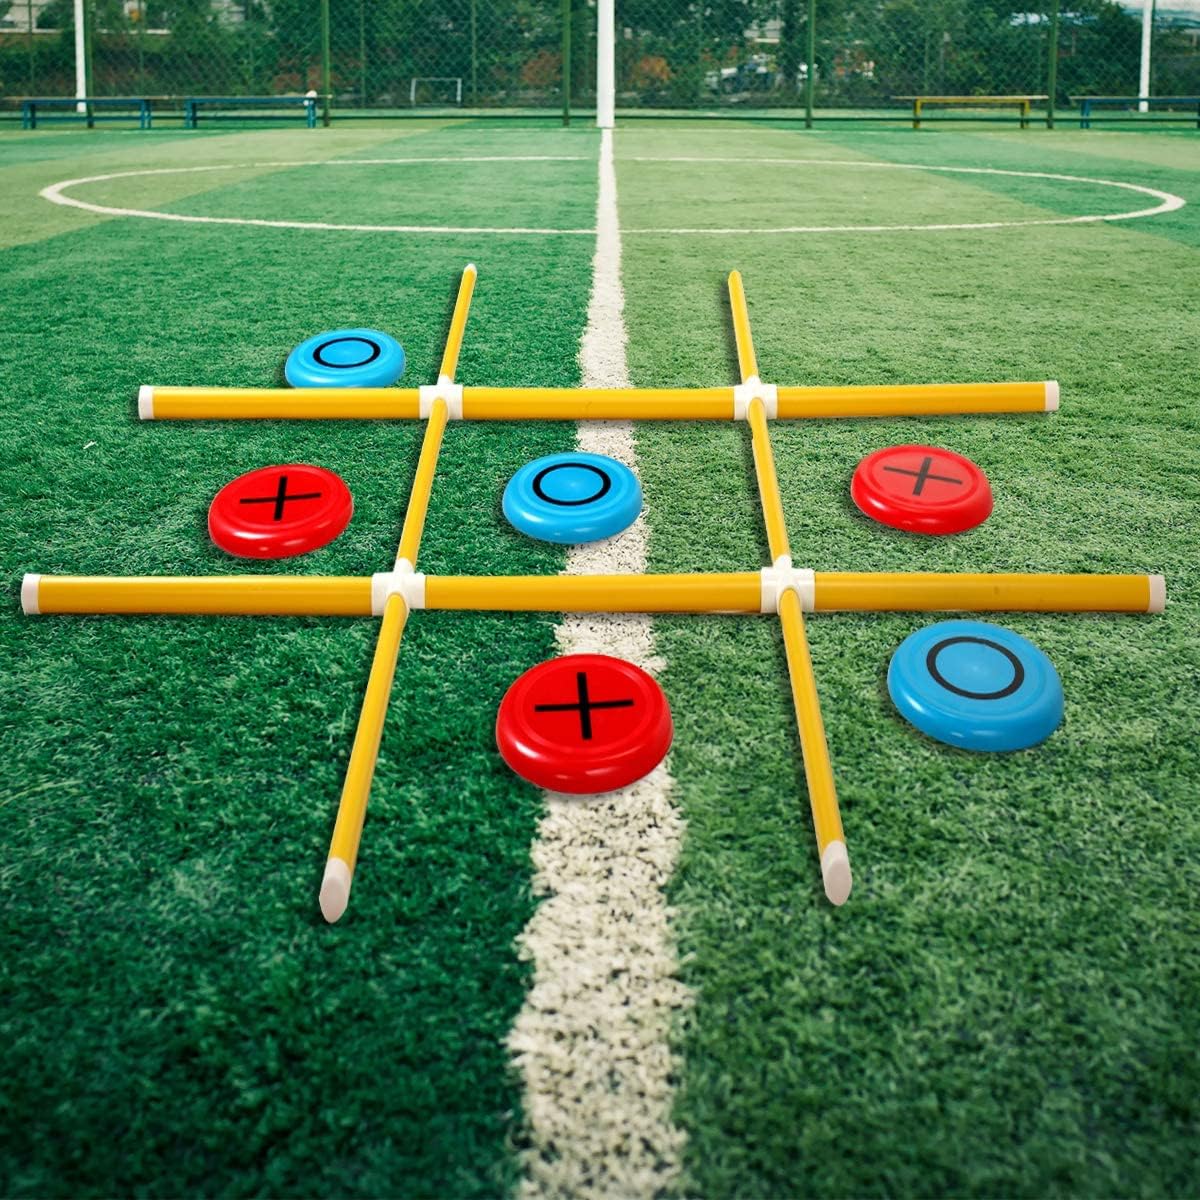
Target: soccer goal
435, 90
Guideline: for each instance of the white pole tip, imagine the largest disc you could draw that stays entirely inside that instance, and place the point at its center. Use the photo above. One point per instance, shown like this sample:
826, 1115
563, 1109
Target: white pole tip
1158, 594
335, 889
835, 871
1051, 395
146, 402
29, 595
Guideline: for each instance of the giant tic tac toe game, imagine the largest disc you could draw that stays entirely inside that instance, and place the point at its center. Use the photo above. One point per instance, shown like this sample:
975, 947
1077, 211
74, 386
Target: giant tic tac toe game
960, 681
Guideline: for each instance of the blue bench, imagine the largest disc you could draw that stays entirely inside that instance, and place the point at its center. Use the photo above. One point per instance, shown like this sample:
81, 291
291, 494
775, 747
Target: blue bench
1087, 103
30, 106
193, 104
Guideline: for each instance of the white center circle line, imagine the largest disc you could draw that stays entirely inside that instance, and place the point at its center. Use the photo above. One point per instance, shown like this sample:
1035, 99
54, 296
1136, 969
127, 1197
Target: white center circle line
1167, 201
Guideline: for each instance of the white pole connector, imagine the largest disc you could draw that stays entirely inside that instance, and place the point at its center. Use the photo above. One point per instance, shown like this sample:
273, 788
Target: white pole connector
402, 580
782, 577
445, 389
29, 595
1158, 594
755, 389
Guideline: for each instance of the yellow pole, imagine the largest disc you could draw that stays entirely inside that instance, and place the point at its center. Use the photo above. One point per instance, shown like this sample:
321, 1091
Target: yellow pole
738, 592
418, 502
293, 404
458, 322
885, 592
597, 404
592, 404
920, 399
356, 790
352, 810
245, 595
814, 746
732, 593
747, 363
741, 592
768, 481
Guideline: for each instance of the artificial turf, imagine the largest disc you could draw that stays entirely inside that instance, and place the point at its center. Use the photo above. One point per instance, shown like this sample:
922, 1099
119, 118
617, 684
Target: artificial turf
1006, 1006
177, 1017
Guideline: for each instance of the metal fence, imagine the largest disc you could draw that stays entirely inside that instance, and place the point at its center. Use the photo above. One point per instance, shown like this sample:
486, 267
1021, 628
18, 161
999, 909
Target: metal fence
730, 55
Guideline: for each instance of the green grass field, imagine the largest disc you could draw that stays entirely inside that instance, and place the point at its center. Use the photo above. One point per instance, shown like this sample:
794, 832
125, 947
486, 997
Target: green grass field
1009, 1005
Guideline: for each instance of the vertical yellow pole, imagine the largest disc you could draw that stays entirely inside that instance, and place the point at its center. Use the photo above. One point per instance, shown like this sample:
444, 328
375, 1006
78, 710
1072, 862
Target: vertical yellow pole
418, 503
356, 790
458, 322
747, 363
814, 747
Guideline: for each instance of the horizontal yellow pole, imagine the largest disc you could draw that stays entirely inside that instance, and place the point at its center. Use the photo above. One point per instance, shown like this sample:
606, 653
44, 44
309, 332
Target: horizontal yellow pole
883, 592
356, 790
294, 404
814, 749
251, 595
739, 593
596, 404
918, 399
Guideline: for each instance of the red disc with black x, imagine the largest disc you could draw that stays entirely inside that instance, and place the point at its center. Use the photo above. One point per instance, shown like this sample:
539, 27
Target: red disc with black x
922, 489
584, 723
277, 512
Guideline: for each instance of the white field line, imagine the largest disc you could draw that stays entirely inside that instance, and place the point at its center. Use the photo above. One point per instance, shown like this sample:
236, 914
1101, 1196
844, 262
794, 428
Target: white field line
1168, 202
592, 1042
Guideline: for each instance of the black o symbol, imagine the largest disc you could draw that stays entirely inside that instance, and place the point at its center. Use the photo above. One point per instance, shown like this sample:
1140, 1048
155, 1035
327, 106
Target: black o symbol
375, 353
932, 667
605, 484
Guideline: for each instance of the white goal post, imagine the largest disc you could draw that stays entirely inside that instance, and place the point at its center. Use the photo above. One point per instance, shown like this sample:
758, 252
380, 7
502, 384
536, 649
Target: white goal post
606, 81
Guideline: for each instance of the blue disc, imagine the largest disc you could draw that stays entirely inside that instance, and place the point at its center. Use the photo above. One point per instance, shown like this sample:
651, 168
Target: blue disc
346, 358
573, 498
977, 686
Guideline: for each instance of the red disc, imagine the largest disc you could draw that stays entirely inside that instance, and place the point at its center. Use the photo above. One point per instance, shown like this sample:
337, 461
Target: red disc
583, 724
922, 489
276, 512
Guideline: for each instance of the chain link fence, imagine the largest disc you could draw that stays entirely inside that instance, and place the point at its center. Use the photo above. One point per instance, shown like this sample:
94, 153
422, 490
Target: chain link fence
400, 56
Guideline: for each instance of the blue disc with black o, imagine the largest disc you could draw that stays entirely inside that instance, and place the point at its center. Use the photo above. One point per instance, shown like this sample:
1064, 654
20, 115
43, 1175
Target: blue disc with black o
346, 358
573, 498
976, 685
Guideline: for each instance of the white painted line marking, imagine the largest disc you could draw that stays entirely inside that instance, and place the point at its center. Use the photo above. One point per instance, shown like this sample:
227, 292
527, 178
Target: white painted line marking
1168, 202
592, 1042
